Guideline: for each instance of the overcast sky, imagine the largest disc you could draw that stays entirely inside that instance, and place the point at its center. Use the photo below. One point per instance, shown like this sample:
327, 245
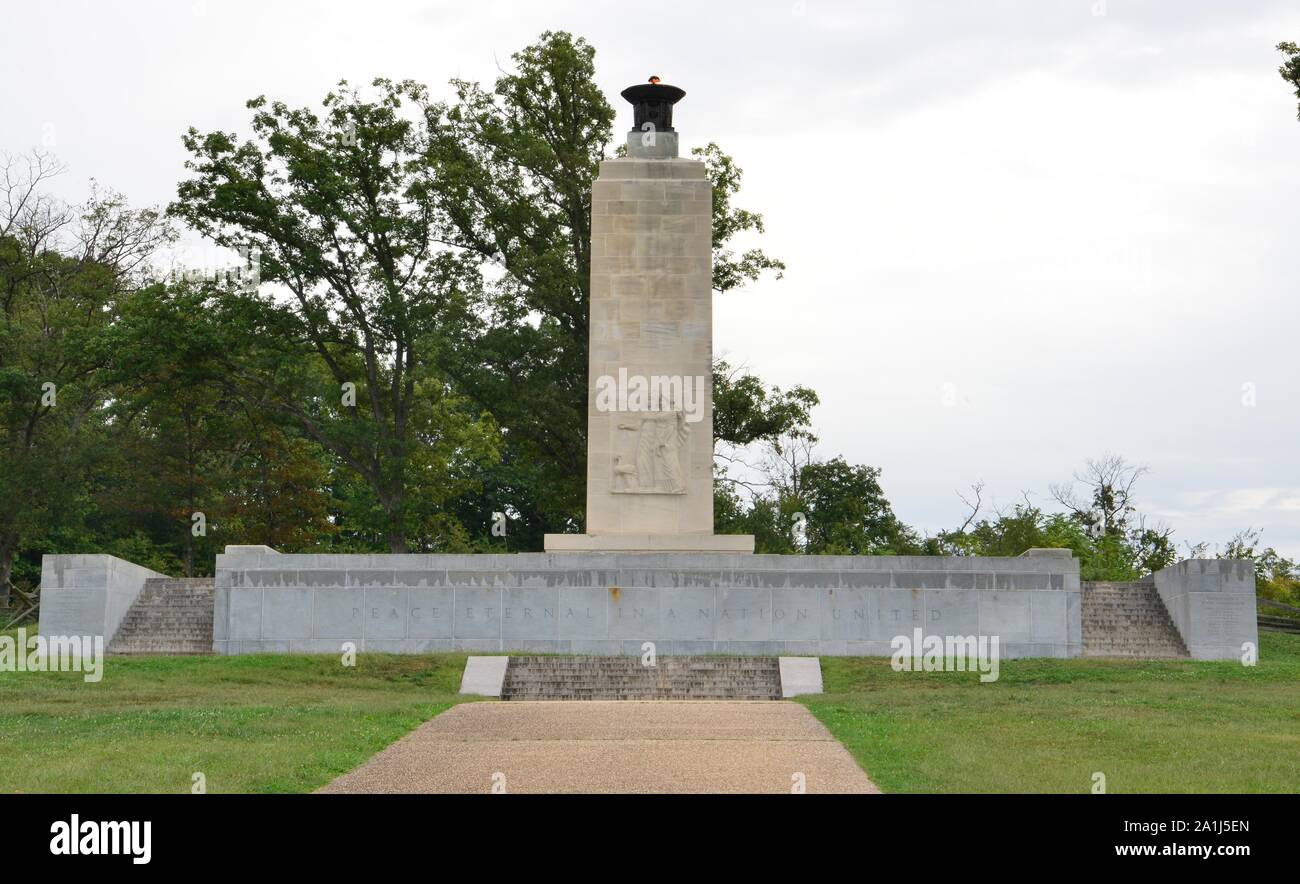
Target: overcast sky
1019, 234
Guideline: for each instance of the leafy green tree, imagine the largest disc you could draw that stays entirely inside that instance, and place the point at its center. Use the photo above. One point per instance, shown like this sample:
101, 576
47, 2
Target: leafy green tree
847, 511
63, 272
1125, 545
1290, 68
732, 271
341, 212
746, 411
1100, 525
1014, 531
181, 435
208, 451
771, 521
791, 501
513, 167
1276, 577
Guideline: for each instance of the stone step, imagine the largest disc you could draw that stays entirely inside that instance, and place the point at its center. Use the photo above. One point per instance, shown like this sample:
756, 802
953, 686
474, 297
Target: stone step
655, 685
1127, 619
625, 678
1125, 603
180, 615
162, 650
665, 678
169, 616
597, 673
642, 670
1163, 650
685, 676
634, 664
1132, 646
142, 629
720, 691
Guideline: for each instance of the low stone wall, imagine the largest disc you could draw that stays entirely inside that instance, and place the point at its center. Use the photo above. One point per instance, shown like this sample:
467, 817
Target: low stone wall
611, 603
88, 594
1212, 604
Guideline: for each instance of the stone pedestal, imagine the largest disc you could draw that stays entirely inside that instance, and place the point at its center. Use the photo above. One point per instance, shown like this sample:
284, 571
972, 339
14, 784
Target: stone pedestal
613, 603
678, 543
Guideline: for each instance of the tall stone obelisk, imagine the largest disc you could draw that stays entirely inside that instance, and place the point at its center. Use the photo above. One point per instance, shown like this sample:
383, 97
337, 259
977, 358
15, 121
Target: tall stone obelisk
649, 396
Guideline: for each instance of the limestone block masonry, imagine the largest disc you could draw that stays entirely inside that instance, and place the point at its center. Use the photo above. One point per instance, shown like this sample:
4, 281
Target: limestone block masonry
169, 616
613, 603
587, 677
651, 317
1128, 619
88, 594
484, 676
1212, 605
800, 675
650, 361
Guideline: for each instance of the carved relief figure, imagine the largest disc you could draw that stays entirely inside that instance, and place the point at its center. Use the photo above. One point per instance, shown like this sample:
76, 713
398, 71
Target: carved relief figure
658, 468
624, 475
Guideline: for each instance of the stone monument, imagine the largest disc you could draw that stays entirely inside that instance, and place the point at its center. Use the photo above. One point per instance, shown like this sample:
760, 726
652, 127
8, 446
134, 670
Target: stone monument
650, 367
649, 567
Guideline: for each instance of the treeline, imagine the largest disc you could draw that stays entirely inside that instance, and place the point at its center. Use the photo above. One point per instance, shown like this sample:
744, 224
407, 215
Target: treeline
397, 360
800, 504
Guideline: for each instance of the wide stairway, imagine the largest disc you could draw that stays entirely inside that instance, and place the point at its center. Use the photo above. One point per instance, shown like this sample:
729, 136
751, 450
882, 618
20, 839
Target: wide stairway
169, 616
1127, 620
625, 678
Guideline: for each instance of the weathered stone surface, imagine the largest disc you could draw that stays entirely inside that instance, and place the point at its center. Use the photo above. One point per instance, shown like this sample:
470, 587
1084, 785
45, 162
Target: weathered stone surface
484, 676
1127, 619
650, 463
88, 594
169, 616
614, 603
625, 677
709, 543
1212, 605
800, 675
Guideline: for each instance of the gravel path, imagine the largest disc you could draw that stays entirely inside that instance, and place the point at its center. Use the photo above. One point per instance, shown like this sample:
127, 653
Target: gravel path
613, 746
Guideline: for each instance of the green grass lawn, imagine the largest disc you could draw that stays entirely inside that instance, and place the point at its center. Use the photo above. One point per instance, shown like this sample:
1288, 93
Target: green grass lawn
273, 723
280, 723
1048, 725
